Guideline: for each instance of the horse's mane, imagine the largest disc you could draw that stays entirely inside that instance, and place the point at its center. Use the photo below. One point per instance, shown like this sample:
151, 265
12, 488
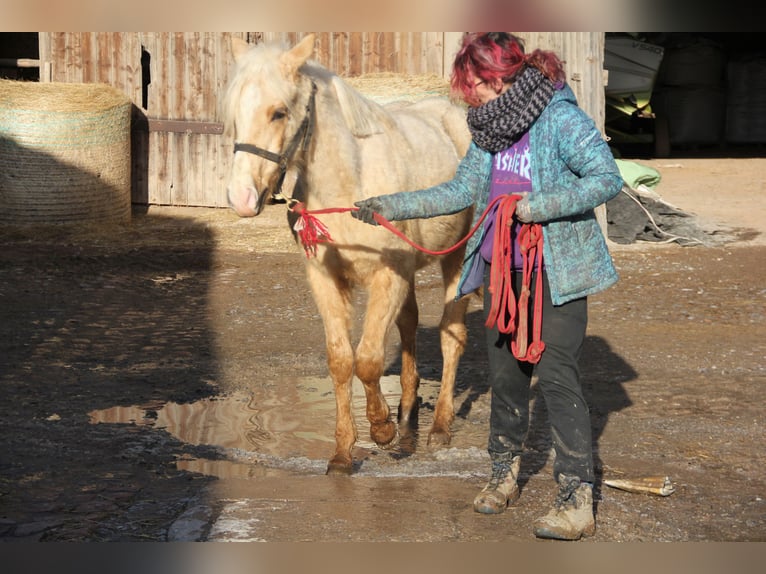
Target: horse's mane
362, 116
260, 59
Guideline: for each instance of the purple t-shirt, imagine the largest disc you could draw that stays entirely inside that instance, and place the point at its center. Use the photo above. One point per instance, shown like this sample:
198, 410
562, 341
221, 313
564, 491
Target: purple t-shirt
510, 174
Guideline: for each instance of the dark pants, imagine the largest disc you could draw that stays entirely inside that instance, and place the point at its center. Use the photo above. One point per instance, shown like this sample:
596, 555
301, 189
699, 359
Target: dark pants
558, 379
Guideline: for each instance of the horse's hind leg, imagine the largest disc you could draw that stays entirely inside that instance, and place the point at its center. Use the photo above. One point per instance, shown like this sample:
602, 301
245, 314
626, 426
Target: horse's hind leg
332, 300
453, 335
407, 324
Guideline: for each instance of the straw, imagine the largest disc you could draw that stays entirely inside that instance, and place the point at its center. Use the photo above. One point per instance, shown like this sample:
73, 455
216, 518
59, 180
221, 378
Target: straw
64, 153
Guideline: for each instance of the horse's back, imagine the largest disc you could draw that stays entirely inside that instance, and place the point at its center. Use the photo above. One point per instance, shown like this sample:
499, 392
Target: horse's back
446, 117
437, 138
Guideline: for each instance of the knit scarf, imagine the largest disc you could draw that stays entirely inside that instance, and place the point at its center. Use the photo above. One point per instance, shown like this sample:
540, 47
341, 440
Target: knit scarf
501, 121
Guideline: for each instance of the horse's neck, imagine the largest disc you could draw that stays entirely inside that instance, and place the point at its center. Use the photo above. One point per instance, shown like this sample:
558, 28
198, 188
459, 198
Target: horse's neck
344, 119
325, 177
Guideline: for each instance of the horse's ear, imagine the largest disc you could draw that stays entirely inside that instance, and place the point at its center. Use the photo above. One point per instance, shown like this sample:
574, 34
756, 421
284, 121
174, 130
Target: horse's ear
298, 54
238, 47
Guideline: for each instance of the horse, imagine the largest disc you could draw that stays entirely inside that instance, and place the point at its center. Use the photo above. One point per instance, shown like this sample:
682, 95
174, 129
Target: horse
300, 131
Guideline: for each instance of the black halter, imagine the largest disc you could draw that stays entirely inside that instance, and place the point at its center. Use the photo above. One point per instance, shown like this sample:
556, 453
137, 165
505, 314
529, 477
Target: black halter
301, 138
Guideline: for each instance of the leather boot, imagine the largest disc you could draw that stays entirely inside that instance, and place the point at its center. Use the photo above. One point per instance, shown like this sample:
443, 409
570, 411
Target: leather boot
501, 490
572, 514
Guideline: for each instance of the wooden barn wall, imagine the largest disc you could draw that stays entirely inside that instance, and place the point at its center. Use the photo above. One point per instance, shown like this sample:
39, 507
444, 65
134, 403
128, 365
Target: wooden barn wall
173, 79
583, 55
179, 156
352, 54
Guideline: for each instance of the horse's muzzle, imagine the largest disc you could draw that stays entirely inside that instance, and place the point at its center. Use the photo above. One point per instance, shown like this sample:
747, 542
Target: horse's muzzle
246, 201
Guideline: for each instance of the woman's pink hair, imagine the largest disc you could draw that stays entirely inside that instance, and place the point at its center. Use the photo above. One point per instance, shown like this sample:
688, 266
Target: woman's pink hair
487, 56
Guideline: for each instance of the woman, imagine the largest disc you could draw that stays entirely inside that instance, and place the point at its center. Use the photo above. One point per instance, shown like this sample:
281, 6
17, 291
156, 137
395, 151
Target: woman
530, 139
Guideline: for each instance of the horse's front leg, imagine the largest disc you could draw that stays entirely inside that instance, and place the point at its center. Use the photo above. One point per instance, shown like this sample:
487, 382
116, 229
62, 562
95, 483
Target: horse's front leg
453, 335
386, 294
332, 299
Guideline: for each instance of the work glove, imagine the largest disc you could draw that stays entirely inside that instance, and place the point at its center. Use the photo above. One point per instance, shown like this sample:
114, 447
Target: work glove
523, 211
367, 208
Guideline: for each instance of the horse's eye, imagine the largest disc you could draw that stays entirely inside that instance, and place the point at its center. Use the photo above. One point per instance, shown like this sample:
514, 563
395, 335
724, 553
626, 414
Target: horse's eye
279, 115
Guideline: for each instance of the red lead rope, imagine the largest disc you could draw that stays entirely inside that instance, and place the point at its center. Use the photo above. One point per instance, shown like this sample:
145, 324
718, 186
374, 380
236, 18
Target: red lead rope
509, 315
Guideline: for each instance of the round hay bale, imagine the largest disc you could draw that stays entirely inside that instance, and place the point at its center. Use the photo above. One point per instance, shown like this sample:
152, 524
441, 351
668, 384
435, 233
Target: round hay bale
387, 87
64, 153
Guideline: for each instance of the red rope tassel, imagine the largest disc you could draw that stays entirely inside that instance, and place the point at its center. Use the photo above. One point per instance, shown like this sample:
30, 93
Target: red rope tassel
310, 230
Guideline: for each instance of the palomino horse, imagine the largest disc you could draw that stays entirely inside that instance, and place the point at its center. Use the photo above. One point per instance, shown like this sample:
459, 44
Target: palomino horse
301, 129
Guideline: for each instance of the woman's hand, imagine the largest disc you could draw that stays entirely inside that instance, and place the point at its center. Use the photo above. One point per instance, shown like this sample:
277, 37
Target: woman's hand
367, 210
522, 208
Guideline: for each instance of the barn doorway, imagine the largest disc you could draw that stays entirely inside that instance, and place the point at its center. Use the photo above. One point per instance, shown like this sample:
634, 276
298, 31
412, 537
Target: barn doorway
20, 56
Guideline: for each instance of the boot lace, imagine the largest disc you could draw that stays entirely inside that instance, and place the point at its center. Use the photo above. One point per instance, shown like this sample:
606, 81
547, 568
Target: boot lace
500, 470
567, 488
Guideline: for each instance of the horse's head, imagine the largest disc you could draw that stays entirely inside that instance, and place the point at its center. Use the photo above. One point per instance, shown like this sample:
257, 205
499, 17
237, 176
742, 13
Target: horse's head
264, 109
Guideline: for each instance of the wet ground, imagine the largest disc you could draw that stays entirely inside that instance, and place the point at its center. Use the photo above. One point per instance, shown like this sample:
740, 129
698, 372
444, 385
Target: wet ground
166, 381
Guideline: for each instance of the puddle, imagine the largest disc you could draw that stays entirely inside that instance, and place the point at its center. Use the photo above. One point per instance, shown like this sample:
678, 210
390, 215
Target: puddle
290, 427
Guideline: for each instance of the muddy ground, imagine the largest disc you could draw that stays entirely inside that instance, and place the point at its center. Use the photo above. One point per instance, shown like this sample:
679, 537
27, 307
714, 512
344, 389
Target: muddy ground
105, 332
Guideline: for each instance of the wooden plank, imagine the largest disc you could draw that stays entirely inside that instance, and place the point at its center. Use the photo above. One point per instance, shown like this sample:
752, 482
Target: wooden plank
339, 63
46, 60
194, 160
177, 84
438, 48
209, 77
74, 68
178, 92
388, 53
373, 55
191, 161
178, 158
187, 161
221, 149
159, 176
192, 72
19, 63
103, 62
89, 53
323, 49
159, 90
207, 80
368, 48
403, 53
418, 63
355, 43
60, 55
134, 72
149, 42
178, 126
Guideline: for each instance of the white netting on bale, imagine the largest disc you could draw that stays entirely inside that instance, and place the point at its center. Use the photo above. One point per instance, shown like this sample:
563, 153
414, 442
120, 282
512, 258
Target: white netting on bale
64, 153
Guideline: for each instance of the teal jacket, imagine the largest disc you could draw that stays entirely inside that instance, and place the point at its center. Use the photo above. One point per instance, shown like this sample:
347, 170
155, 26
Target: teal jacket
573, 172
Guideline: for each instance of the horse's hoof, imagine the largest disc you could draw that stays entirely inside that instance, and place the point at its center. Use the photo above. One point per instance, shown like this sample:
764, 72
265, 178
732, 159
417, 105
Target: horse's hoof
339, 467
408, 440
439, 438
407, 430
385, 435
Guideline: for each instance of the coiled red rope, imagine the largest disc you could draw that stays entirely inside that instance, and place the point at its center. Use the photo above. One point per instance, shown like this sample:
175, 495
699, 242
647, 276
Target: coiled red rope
510, 316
